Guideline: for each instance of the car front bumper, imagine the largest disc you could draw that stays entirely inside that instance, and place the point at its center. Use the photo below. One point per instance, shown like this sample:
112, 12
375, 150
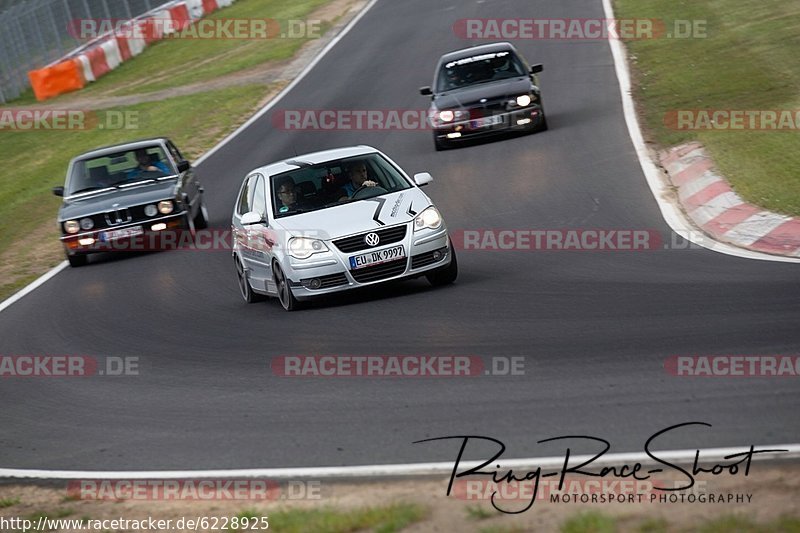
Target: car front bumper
149, 240
517, 120
424, 252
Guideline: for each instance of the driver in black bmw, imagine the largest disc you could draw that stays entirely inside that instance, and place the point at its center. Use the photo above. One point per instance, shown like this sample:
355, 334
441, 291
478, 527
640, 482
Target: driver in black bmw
146, 165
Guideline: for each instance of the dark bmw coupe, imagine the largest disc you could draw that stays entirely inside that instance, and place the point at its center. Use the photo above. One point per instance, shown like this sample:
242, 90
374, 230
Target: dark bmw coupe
115, 197
483, 90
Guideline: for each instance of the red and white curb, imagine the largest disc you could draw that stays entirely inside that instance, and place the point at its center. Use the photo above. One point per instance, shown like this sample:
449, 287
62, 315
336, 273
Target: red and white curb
711, 203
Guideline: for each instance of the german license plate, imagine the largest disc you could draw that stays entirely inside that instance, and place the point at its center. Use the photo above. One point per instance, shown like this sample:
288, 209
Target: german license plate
376, 257
124, 233
487, 121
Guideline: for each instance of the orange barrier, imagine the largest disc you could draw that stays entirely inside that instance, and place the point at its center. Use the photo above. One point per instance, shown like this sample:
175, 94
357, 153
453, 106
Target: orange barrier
124, 49
57, 79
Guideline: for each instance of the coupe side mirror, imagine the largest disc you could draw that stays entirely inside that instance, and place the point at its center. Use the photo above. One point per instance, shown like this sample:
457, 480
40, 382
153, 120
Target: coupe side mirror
58, 191
423, 178
251, 217
537, 68
425, 91
183, 166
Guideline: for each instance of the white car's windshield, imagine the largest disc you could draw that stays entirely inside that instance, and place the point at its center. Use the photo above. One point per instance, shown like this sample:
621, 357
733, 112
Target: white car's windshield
314, 187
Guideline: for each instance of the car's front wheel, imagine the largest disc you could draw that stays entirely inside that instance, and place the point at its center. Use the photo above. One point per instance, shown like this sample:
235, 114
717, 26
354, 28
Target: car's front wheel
77, 260
285, 295
446, 275
201, 220
245, 289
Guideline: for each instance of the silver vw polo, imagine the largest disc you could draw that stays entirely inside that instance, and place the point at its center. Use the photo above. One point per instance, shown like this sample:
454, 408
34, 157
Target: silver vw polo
335, 220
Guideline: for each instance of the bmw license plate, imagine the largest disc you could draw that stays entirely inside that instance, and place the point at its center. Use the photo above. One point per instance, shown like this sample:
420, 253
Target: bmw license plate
123, 233
491, 120
379, 256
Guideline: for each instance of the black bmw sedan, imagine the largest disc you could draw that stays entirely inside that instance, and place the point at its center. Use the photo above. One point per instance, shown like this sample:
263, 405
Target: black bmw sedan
483, 90
118, 196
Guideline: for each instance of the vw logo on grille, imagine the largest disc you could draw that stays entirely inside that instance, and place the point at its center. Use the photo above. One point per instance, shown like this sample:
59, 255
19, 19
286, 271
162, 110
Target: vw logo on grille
372, 239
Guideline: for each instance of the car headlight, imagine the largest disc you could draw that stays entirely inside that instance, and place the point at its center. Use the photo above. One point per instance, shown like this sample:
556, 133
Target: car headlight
150, 210
429, 218
165, 207
305, 247
523, 100
87, 224
446, 116
72, 226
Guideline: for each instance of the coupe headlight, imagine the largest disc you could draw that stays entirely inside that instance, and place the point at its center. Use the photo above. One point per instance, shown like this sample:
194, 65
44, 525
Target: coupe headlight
446, 116
150, 210
429, 218
165, 207
87, 224
523, 100
72, 226
305, 247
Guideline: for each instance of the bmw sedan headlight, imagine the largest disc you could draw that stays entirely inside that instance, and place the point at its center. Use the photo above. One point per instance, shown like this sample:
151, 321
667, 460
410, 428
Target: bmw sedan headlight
429, 218
87, 224
523, 100
165, 207
72, 226
305, 247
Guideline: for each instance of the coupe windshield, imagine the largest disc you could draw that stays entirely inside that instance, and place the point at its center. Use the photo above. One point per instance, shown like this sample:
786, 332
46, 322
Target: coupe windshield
333, 183
480, 68
118, 169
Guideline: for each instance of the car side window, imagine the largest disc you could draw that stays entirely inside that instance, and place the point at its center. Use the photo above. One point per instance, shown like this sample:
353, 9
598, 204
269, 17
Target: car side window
259, 201
245, 196
174, 152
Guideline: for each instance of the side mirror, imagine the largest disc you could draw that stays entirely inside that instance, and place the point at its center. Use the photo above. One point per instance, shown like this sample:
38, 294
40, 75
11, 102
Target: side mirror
423, 178
537, 68
58, 191
251, 217
425, 91
183, 166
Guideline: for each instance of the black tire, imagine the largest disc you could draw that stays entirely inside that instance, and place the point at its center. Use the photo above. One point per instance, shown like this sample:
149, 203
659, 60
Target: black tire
201, 220
543, 125
439, 145
244, 285
446, 275
77, 260
285, 295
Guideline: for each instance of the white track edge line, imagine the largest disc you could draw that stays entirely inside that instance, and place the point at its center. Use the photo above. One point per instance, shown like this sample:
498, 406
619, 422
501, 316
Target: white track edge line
46, 276
673, 216
707, 456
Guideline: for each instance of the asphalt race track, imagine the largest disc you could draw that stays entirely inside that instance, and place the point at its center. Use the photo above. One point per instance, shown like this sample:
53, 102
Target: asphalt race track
595, 328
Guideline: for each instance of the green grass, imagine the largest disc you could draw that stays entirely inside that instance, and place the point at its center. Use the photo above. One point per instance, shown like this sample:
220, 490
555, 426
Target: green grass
739, 524
750, 59
385, 519
175, 62
477, 512
589, 522
39, 159
8, 502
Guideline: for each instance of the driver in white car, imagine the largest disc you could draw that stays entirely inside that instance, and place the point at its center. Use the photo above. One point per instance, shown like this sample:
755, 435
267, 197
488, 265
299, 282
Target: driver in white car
357, 172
